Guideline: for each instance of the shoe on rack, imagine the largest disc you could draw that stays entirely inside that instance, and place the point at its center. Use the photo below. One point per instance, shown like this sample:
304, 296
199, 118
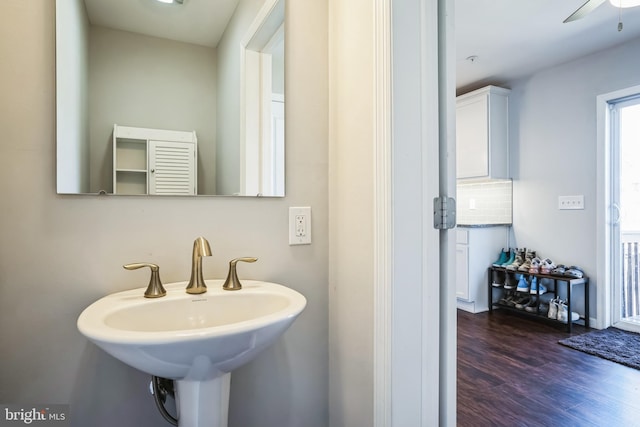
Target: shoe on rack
547, 266
540, 308
523, 285
562, 311
518, 260
528, 257
534, 268
537, 287
553, 309
510, 300
574, 272
559, 270
504, 256
498, 279
532, 305
509, 261
511, 281
522, 303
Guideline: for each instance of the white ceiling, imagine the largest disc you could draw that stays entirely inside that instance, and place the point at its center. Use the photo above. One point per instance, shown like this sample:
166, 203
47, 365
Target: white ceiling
513, 39
199, 22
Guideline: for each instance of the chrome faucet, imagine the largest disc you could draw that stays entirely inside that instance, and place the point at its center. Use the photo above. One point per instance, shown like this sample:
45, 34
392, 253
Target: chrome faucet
196, 283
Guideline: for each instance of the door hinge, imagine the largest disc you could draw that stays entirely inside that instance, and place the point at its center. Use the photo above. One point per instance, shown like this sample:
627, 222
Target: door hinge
444, 213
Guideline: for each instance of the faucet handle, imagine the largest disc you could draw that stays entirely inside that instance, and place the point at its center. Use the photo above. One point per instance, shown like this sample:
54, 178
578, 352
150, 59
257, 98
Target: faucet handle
233, 283
155, 288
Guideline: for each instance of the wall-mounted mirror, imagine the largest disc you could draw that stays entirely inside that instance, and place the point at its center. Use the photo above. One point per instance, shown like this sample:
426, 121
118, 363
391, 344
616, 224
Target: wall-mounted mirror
182, 98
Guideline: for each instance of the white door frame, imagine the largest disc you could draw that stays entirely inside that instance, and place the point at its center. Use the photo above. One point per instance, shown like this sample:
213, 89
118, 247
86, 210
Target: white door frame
605, 271
414, 296
264, 33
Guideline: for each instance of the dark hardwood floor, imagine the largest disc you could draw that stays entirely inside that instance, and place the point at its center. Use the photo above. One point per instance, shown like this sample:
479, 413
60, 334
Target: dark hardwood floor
513, 372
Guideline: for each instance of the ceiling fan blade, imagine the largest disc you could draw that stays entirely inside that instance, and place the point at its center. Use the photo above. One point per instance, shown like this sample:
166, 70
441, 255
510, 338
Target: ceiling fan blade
584, 10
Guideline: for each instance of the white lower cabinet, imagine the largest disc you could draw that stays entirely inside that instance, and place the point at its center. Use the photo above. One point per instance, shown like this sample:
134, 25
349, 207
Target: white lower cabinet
462, 271
476, 250
154, 161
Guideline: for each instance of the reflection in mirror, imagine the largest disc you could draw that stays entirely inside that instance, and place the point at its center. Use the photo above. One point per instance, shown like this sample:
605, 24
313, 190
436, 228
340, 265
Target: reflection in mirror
156, 98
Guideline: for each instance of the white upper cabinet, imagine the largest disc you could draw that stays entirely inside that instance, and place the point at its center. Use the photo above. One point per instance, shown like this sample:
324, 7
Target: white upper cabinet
482, 134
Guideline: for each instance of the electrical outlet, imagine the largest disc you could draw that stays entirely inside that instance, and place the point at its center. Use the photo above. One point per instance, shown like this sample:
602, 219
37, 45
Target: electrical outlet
299, 226
571, 202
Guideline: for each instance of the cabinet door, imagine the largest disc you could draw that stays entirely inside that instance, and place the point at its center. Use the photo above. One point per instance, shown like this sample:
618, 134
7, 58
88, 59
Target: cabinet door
462, 271
472, 138
172, 168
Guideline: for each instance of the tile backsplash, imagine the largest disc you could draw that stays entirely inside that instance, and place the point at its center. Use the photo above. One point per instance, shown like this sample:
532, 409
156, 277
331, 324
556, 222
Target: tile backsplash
484, 203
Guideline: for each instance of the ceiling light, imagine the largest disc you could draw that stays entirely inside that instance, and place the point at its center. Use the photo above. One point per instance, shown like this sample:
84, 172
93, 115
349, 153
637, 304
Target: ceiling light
171, 1
625, 3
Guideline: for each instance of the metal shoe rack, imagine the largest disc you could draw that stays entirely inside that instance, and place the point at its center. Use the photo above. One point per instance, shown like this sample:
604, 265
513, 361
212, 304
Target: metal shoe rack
554, 288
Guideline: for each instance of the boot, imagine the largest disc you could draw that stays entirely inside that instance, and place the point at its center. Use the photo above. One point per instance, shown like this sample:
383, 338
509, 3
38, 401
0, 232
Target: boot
519, 260
498, 278
512, 257
528, 257
504, 255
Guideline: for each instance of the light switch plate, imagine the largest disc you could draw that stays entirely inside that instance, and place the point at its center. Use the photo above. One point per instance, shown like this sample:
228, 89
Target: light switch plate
571, 202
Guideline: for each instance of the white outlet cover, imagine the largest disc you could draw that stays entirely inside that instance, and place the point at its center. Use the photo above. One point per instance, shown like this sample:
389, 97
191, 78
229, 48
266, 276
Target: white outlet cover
300, 231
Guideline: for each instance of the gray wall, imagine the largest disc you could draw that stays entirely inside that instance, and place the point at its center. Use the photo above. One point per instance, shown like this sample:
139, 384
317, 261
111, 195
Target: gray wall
143, 81
553, 153
60, 253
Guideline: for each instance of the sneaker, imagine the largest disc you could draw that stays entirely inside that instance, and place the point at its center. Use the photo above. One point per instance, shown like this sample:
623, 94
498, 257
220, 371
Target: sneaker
504, 256
540, 308
547, 266
562, 312
511, 281
574, 272
528, 257
559, 270
522, 303
504, 301
553, 309
523, 286
510, 300
498, 279
532, 306
512, 258
534, 268
518, 261
537, 287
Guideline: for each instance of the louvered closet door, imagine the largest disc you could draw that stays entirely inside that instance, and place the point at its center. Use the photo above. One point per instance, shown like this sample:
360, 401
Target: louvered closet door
172, 168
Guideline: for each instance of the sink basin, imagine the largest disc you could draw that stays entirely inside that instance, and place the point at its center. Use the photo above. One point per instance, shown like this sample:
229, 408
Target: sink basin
165, 336
196, 340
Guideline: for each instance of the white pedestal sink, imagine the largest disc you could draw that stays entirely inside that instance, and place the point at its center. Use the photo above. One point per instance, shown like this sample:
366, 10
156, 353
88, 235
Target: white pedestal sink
196, 340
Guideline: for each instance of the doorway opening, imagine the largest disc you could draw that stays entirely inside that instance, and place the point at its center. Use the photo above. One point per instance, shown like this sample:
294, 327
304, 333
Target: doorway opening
625, 134
619, 209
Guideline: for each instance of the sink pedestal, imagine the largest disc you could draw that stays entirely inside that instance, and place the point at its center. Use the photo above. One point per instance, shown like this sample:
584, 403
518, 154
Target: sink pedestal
203, 403
195, 340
